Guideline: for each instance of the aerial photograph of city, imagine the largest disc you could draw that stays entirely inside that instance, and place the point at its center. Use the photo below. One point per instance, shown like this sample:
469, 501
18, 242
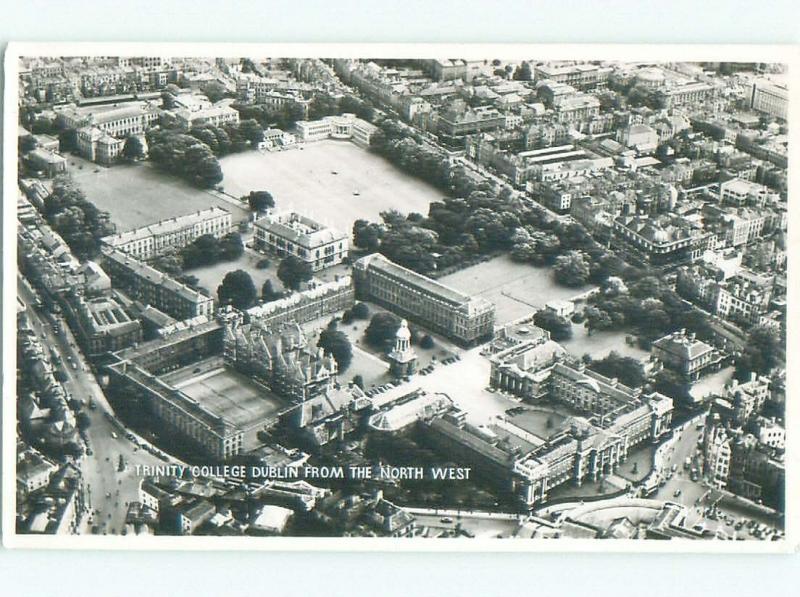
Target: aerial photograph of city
412, 298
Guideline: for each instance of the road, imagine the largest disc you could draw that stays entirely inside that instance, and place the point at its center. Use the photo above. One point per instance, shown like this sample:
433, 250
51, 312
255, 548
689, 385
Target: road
99, 469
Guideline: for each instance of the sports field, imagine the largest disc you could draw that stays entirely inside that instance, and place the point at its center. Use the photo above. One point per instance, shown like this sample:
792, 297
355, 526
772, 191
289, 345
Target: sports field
230, 395
138, 194
516, 289
304, 180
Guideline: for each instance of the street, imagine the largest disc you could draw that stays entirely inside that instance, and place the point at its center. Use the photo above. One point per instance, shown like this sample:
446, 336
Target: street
107, 489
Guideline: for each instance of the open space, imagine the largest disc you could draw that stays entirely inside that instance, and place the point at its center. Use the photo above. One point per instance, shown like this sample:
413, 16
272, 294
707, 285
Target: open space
599, 344
516, 289
227, 393
138, 194
543, 423
304, 180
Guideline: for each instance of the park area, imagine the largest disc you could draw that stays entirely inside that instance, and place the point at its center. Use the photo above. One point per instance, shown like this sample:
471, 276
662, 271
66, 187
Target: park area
319, 180
138, 194
516, 289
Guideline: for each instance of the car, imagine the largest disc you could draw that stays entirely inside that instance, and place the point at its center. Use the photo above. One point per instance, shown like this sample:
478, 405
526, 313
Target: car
446, 519
677, 493
114, 435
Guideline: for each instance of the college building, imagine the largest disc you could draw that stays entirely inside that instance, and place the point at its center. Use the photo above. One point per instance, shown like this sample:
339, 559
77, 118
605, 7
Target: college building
345, 126
150, 286
285, 233
464, 319
155, 239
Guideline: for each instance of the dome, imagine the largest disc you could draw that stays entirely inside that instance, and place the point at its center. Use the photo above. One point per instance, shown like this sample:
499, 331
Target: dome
403, 332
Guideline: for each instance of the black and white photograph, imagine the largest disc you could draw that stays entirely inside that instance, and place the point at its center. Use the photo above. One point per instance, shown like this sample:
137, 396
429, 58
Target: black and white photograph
371, 296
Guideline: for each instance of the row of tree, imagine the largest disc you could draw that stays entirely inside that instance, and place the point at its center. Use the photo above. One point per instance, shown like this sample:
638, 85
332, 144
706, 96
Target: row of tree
183, 154
208, 250
77, 220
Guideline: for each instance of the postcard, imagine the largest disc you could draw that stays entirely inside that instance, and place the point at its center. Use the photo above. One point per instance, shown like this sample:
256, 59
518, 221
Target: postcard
366, 297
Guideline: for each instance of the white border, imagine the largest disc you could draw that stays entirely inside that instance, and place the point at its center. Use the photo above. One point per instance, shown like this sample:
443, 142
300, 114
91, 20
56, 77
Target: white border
624, 53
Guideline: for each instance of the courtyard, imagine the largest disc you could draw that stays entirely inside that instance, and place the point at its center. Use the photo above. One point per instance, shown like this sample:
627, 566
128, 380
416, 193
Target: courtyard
226, 393
516, 289
320, 179
138, 194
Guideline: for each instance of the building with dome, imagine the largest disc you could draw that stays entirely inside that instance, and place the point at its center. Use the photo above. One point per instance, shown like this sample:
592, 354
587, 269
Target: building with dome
403, 358
662, 240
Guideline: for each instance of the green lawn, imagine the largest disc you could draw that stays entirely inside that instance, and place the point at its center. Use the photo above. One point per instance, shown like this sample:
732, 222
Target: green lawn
138, 194
303, 180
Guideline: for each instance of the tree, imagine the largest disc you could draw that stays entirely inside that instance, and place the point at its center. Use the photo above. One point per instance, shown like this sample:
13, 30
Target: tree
427, 342
382, 329
358, 380
133, 148
293, 271
626, 369
559, 328
251, 131
523, 72
572, 269
237, 289
231, 246
82, 421
762, 353
367, 235
336, 343
360, 311
26, 143
260, 200
268, 293
214, 91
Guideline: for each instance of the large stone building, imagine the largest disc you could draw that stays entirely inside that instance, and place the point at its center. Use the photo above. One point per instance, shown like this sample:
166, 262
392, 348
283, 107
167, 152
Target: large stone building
289, 233
467, 320
686, 355
301, 307
281, 357
102, 325
664, 240
131, 118
771, 99
345, 126
174, 233
153, 287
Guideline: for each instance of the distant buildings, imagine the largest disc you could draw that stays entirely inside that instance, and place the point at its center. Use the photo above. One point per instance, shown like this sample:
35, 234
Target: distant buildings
155, 239
770, 98
579, 76
130, 118
465, 319
46, 161
285, 233
663, 240
744, 297
345, 126
459, 120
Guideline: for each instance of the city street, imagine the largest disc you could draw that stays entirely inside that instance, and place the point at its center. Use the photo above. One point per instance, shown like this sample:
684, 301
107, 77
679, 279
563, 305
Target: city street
107, 489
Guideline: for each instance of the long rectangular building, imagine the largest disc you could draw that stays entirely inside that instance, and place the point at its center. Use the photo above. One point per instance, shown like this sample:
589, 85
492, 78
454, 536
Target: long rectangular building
155, 288
153, 240
462, 318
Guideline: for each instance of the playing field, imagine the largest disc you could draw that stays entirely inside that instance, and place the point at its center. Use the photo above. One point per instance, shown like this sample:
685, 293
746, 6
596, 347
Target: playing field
304, 180
138, 194
230, 395
516, 289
